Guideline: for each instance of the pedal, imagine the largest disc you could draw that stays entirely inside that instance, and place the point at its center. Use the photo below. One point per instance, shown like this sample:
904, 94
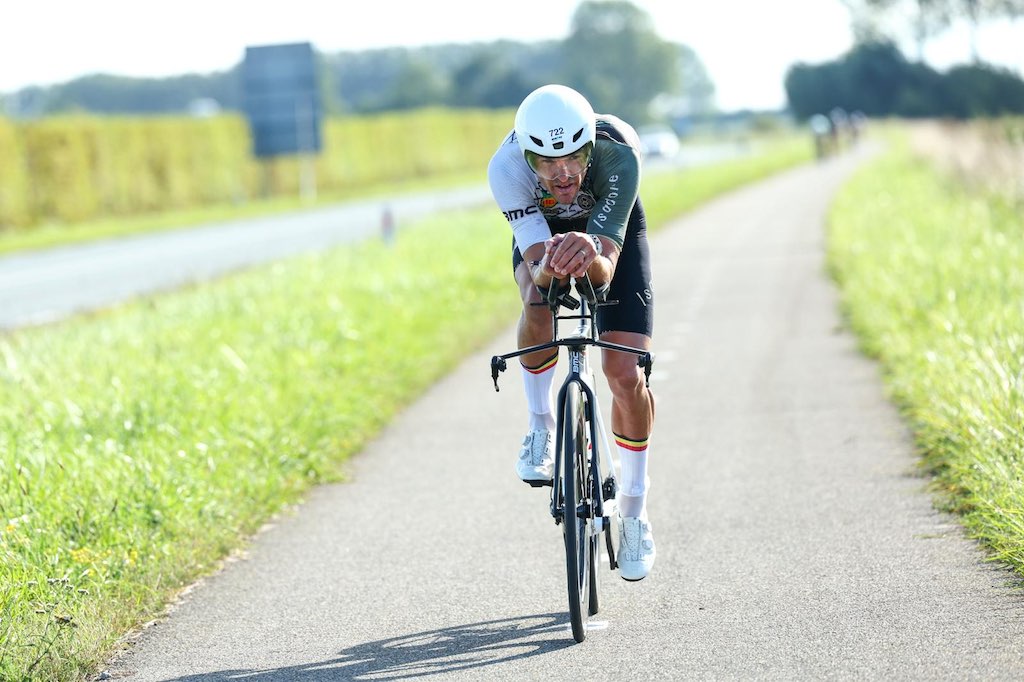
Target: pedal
540, 484
609, 489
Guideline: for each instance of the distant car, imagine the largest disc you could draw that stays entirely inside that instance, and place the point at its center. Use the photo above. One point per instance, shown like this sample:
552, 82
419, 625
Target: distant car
658, 141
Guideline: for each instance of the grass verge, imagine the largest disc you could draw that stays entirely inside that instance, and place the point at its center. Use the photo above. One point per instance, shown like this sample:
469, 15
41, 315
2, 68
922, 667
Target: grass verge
932, 284
140, 446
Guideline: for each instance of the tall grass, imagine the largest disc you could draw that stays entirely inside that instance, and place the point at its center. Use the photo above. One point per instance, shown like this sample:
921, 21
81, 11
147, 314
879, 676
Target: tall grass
983, 155
139, 446
933, 283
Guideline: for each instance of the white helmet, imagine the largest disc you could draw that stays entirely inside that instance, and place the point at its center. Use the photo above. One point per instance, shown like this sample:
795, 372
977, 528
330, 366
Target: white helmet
554, 121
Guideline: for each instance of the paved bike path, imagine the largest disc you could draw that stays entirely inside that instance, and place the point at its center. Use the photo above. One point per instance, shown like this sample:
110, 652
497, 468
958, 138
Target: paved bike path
795, 540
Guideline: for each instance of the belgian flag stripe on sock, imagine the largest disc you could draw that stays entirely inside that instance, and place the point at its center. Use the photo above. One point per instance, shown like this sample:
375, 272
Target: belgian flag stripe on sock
544, 366
635, 445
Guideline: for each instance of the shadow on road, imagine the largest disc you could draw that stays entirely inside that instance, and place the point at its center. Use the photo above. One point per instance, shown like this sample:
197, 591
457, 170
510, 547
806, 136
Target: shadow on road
434, 652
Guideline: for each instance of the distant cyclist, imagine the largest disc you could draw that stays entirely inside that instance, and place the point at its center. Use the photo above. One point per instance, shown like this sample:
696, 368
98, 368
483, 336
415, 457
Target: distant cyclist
567, 180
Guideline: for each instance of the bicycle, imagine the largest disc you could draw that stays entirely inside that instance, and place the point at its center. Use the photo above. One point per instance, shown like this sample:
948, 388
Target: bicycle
577, 483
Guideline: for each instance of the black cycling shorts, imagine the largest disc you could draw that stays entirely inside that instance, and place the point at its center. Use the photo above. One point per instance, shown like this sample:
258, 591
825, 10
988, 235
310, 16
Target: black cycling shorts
631, 284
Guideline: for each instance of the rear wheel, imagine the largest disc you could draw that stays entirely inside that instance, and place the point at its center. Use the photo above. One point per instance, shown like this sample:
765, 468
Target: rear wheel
578, 517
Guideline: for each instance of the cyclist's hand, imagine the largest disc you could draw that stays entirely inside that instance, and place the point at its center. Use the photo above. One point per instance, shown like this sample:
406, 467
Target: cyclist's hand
570, 254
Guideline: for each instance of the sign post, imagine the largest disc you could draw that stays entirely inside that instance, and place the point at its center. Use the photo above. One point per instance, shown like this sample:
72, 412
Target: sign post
282, 104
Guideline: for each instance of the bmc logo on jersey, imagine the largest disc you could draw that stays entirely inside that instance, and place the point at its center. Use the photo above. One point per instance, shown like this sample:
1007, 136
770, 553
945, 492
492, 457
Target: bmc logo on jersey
517, 213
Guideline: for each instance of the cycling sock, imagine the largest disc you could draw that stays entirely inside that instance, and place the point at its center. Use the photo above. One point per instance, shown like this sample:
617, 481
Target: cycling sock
538, 381
633, 465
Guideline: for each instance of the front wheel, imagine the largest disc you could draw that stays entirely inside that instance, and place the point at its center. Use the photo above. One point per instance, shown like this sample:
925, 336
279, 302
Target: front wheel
578, 513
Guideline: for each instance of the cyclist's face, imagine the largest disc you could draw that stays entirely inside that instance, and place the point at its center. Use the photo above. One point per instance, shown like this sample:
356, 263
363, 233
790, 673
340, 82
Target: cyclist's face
561, 176
564, 188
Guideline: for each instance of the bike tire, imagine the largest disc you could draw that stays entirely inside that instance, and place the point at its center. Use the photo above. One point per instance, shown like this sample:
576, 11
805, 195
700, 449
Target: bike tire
595, 571
577, 511
594, 486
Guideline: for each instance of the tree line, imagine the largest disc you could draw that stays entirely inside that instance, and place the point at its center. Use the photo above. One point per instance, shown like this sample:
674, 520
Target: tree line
878, 80
609, 42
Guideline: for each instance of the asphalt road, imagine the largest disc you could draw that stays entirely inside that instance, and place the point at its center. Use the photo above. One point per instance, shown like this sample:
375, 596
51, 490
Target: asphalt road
40, 287
795, 539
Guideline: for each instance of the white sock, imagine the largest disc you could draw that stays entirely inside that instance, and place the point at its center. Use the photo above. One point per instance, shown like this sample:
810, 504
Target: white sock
538, 381
633, 484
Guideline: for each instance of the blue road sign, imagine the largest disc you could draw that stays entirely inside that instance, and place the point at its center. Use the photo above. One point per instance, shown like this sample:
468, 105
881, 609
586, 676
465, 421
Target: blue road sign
282, 101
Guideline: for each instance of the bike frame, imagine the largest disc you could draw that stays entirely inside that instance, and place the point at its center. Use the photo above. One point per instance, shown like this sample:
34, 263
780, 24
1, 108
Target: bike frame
577, 343
580, 373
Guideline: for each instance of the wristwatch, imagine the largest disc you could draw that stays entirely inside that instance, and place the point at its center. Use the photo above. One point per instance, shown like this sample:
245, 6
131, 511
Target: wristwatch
597, 243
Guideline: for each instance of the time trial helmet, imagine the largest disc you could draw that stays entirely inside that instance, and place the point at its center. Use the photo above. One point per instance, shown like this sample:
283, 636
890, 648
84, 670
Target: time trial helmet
555, 121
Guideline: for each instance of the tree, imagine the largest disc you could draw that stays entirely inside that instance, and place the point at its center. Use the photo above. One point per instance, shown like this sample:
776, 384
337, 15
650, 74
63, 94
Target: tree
486, 80
615, 58
925, 19
983, 90
977, 11
813, 90
417, 86
697, 94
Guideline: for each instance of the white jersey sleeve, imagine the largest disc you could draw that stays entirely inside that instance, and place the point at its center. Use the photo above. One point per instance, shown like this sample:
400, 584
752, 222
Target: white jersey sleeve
514, 187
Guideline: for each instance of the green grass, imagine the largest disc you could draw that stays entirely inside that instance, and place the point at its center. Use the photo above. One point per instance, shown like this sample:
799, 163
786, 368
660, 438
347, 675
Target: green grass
933, 284
140, 446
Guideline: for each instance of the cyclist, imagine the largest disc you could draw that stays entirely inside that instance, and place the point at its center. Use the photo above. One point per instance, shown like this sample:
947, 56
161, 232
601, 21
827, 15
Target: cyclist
567, 180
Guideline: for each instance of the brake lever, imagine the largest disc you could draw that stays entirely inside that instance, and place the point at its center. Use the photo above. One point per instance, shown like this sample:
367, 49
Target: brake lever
497, 367
646, 361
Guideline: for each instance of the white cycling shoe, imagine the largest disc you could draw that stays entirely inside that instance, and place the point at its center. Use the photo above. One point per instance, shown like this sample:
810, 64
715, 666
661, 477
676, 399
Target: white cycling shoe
536, 461
636, 548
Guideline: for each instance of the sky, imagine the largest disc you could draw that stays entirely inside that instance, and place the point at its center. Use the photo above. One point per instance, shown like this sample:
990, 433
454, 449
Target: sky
746, 45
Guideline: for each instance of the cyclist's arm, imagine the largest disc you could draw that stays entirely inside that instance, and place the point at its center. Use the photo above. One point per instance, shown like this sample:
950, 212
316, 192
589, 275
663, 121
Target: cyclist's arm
537, 261
602, 269
512, 184
616, 187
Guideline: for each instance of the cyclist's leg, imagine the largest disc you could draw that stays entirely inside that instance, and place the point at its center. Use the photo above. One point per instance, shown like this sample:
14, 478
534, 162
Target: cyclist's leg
632, 419
631, 323
536, 455
632, 401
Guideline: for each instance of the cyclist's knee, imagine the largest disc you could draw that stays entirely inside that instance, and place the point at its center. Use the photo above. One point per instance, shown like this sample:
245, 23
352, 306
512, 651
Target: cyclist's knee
623, 375
536, 316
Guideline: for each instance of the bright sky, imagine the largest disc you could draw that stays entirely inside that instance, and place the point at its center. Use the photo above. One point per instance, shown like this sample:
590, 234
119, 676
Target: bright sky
745, 45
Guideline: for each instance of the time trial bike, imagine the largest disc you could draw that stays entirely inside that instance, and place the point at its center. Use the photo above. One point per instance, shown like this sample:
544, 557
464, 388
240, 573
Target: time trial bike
583, 486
